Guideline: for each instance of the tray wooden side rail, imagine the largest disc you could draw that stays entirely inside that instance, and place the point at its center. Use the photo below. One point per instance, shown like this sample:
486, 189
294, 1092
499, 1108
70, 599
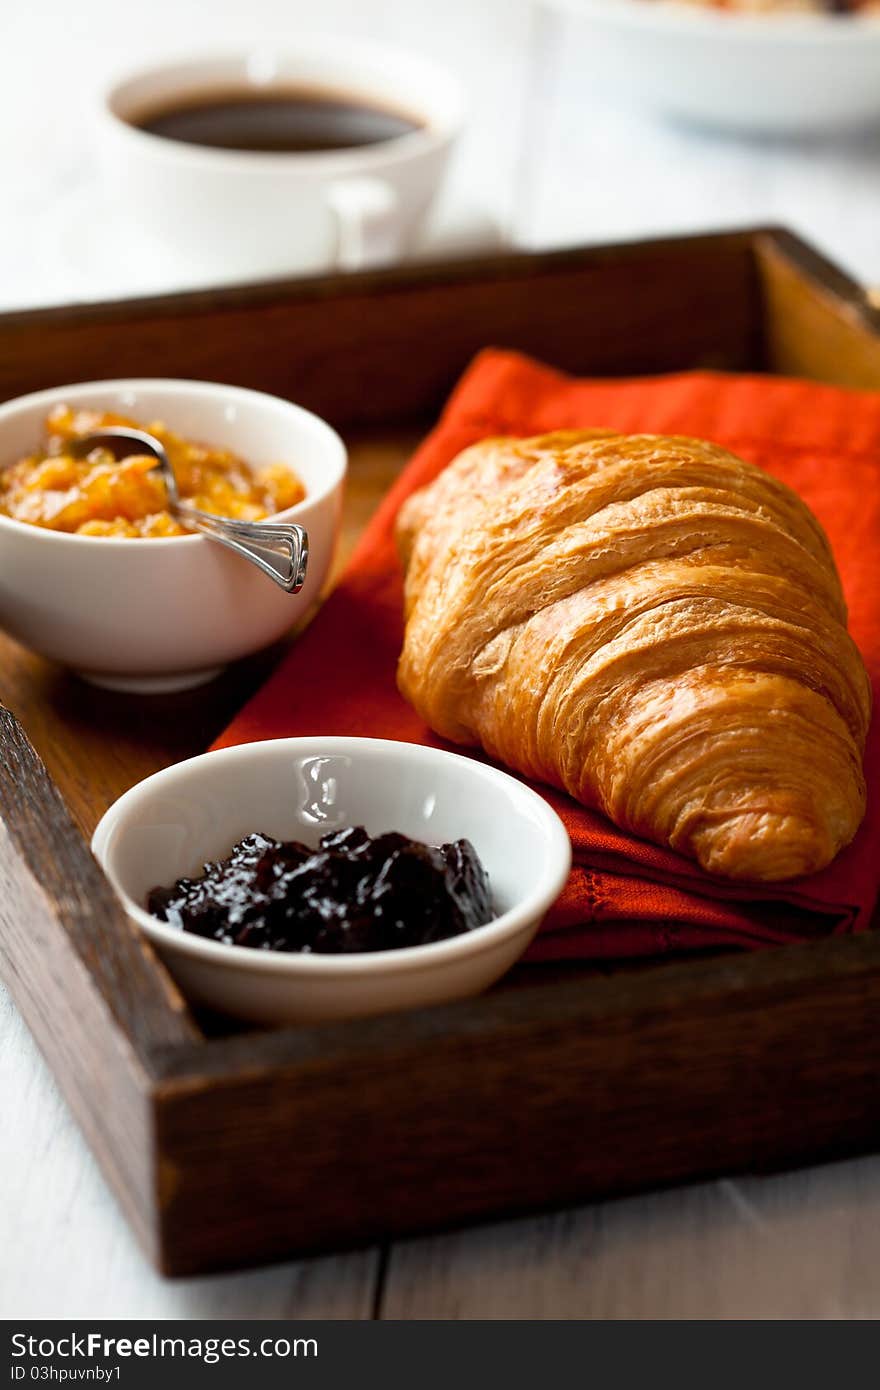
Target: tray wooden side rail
388, 345
228, 1148
109, 1005
552, 1093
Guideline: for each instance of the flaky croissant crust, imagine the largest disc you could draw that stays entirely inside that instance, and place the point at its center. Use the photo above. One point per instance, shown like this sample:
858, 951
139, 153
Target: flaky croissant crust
653, 625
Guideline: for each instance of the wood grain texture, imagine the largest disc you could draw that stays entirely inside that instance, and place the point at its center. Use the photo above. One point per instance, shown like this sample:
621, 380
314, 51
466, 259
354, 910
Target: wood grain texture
369, 348
68, 1249
541, 1092
796, 1245
87, 984
523, 1099
817, 322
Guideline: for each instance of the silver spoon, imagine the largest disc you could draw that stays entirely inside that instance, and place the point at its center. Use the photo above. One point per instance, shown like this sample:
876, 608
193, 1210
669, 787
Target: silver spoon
280, 549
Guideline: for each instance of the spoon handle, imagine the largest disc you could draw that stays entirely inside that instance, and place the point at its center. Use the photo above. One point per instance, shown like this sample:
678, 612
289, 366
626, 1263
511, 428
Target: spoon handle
279, 549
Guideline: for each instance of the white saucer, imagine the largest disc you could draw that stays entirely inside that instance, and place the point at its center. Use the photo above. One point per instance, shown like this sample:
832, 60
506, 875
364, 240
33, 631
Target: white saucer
85, 253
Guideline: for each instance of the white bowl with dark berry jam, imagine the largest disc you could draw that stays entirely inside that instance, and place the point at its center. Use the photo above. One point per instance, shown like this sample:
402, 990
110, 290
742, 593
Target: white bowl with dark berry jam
306, 879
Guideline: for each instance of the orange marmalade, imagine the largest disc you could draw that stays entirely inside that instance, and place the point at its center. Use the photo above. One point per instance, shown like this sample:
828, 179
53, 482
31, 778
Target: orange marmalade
98, 496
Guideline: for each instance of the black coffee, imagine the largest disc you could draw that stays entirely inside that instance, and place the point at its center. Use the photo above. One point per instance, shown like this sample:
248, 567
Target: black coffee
276, 122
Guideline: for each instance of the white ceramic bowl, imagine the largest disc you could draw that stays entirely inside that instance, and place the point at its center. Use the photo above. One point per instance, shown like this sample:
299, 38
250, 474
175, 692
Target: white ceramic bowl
167, 826
154, 615
783, 73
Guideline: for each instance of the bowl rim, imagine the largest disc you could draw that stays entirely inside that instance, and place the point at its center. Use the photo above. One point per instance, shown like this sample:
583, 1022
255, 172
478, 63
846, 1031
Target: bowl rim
179, 387
515, 920
805, 30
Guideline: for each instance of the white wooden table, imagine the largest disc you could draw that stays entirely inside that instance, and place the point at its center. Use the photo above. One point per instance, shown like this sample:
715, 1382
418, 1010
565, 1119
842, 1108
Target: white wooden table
800, 1245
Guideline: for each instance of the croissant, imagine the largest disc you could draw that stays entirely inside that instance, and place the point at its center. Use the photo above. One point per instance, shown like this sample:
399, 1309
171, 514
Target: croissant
651, 624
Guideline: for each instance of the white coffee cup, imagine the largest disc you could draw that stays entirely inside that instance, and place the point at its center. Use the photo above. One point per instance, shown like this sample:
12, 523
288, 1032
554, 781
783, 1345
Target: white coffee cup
231, 212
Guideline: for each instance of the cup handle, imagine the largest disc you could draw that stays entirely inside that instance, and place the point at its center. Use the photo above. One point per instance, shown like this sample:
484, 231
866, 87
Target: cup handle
367, 222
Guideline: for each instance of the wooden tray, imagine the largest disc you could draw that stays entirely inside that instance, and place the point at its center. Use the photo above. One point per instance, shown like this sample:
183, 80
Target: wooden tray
227, 1148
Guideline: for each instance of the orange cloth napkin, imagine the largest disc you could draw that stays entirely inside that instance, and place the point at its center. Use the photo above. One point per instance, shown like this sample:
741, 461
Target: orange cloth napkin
625, 897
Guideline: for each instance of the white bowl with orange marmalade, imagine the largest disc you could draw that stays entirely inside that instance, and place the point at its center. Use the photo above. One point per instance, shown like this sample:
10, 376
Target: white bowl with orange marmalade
96, 574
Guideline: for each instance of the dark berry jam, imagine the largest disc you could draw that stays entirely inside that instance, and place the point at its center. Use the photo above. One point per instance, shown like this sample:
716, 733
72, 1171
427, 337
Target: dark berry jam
352, 893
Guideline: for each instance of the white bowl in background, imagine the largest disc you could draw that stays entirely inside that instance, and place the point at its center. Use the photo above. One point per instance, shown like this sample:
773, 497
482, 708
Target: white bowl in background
169, 825
772, 73
144, 614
